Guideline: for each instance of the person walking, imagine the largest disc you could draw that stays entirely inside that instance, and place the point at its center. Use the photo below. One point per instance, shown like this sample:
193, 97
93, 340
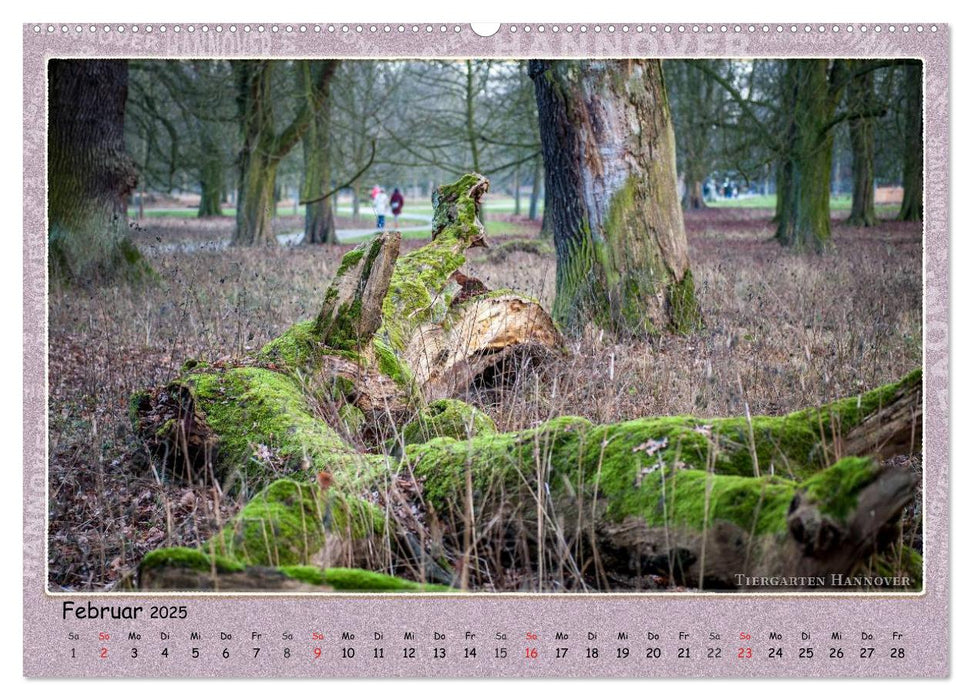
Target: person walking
381, 208
397, 204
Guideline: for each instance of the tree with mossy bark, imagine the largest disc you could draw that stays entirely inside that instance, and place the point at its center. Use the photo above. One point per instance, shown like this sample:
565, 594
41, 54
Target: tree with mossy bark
319, 225
611, 194
89, 173
860, 98
807, 156
263, 144
912, 207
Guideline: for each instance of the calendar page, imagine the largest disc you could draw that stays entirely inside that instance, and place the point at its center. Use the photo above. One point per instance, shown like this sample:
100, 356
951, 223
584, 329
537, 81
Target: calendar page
380, 350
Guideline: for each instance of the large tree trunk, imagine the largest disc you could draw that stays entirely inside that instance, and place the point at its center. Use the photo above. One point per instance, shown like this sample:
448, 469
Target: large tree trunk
89, 174
912, 208
860, 99
804, 177
212, 175
263, 147
608, 151
257, 166
319, 226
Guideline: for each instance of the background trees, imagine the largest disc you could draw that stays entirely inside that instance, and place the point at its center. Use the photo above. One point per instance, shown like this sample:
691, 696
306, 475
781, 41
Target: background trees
912, 208
263, 144
801, 131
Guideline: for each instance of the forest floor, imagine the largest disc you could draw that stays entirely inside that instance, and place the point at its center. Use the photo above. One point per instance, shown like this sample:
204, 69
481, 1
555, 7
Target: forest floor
782, 332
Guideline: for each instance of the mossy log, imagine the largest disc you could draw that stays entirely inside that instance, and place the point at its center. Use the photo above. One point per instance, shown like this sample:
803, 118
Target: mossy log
183, 569
678, 499
699, 502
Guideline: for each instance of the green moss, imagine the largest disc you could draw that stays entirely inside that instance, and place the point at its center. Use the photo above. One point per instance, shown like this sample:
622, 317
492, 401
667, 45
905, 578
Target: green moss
683, 313
352, 517
493, 459
266, 425
447, 418
282, 525
138, 402
352, 417
835, 490
192, 364
457, 206
341, 579
288, 523
662, 468
308, 574
351, 258
420, 291
298, 346
189, 559
389, 363
677, 498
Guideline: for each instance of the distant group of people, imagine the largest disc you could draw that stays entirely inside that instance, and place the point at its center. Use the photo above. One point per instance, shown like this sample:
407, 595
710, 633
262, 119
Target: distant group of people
384, 205
727, 190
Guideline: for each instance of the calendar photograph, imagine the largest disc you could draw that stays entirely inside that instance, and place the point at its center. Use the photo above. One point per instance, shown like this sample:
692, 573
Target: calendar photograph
485, 325
426, 350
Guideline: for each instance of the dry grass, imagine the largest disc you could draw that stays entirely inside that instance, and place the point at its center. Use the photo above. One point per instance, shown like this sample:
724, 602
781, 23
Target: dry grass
782, 332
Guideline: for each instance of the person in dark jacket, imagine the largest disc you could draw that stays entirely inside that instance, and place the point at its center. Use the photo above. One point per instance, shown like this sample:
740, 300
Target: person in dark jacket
397, 204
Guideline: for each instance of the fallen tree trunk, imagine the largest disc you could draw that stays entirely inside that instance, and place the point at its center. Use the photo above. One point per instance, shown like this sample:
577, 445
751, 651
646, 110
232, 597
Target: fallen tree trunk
651, 502
700, 502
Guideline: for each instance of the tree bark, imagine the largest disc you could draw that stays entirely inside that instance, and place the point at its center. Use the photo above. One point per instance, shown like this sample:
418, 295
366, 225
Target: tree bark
537, 186
319, 225
608, 151
860, 99
211, 176
89, 173
263, 148
912, 208
806, 168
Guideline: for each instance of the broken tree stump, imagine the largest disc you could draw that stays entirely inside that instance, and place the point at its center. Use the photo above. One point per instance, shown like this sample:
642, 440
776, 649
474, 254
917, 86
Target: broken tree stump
393, 333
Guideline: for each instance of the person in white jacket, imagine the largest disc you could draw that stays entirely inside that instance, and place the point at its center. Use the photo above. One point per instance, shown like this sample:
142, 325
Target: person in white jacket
381, 207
